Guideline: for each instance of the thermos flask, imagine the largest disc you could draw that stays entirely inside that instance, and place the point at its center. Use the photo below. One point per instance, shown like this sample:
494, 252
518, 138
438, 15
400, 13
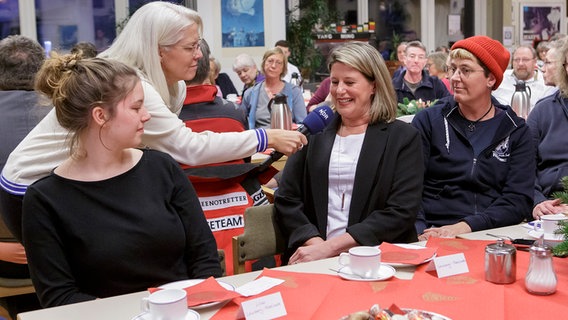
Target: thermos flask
521, 100
280, 114
500, 262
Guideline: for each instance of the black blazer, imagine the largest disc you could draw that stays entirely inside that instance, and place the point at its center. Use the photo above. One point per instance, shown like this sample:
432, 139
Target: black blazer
387, 190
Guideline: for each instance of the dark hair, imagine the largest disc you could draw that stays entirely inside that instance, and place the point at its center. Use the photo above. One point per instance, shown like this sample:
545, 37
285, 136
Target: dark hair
75, 86
20, 60
282, 43
88, 49
203, 65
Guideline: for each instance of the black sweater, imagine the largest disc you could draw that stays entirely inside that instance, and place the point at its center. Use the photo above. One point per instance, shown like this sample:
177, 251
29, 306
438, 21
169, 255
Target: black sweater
143, 228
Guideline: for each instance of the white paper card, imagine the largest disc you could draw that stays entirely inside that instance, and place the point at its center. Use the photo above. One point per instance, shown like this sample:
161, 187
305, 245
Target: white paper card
449, 265
263, 308
258, 286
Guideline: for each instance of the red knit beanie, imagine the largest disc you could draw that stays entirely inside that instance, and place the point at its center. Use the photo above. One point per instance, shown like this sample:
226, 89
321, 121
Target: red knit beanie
490, 52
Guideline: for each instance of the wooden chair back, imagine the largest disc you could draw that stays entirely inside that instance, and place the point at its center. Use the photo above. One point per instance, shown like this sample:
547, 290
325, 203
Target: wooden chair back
261, 237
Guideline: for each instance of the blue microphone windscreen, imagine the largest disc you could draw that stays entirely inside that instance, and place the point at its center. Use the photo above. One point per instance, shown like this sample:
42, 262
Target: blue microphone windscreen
318, 119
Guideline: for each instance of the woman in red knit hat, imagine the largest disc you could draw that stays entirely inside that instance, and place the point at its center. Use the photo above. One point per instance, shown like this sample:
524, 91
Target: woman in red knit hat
479, 157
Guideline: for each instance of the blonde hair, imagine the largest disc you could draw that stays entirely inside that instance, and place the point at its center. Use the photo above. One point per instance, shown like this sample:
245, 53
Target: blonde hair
76, 85
271, 52
366, 59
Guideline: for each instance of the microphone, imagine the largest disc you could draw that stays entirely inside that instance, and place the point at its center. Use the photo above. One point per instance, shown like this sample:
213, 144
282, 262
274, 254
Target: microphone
314, 123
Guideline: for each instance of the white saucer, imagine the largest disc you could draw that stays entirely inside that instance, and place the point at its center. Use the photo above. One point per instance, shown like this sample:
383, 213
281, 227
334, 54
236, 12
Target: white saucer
550, 239
385, 272
190, 315
182, 284
408, 246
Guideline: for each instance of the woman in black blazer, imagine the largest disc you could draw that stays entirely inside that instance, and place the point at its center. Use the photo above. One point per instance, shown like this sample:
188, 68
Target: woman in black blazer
359, 182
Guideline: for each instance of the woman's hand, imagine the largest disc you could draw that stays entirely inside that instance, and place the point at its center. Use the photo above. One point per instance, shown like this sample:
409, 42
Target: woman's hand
286, 141
313, 249
549, 207
449, 231
13, 252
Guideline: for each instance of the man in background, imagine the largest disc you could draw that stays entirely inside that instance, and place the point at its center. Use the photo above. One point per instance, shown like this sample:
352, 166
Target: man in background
20, 60
525, 69
285, 47
415, 83
400, 52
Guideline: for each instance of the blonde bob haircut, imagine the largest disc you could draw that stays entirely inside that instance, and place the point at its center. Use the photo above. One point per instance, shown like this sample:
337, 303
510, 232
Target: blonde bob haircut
272, 52
366, 59
155, 25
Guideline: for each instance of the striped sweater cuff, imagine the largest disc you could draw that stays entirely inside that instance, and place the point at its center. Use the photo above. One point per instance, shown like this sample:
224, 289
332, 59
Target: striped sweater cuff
262, 138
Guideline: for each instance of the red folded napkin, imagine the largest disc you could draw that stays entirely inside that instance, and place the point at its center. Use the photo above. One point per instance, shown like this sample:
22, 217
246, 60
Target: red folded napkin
391, 253
205, 292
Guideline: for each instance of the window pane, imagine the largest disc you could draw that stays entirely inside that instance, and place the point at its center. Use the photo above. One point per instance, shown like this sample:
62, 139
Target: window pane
133, 5
65, 23
9, 18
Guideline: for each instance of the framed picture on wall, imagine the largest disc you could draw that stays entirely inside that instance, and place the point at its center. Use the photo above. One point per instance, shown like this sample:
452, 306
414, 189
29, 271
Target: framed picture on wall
242, 22
540, 21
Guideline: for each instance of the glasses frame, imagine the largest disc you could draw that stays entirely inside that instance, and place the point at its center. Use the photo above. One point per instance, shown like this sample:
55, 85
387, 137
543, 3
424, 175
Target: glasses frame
463, 75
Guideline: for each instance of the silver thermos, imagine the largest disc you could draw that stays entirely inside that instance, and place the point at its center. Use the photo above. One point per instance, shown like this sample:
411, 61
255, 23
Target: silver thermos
521, 100
295, 79
280, 114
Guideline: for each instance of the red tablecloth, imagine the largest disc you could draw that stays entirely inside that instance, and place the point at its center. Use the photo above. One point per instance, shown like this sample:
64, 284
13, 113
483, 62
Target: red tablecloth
466, 296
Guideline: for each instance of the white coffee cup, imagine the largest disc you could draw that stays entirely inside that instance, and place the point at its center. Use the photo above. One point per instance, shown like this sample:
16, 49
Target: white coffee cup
232, 97
549, 223
167, 304
363, 261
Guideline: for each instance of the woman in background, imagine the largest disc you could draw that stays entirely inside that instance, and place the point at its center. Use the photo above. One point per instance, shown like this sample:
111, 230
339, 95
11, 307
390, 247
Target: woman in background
245, 67
437, 67
256, 100
131, 219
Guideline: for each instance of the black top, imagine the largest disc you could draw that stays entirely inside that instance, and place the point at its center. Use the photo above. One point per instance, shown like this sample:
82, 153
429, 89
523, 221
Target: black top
142, 228
224, 82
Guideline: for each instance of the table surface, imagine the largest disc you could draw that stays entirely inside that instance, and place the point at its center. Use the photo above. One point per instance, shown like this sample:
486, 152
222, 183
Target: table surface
128, 306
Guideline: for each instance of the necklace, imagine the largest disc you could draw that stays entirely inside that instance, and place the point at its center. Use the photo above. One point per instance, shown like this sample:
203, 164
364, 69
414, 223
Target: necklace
471, 125
355, 157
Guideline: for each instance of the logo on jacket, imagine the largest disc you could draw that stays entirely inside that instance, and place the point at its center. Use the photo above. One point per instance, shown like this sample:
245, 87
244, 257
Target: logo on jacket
501, 152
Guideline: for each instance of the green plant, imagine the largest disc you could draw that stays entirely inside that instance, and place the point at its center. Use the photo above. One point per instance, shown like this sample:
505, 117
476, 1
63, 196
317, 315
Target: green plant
562, 248
396, 40
299, 33
408, 106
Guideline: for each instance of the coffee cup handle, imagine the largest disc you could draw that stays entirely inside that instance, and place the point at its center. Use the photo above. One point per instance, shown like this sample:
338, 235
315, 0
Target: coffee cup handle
145, 305
342, 257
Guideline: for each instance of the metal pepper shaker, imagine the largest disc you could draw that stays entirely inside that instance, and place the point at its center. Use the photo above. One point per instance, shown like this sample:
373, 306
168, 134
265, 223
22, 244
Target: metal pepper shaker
500, 262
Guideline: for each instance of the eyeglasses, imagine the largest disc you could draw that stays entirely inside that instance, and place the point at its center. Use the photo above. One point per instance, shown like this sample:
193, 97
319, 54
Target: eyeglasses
465, 72
191, 48
522, 60
278, 63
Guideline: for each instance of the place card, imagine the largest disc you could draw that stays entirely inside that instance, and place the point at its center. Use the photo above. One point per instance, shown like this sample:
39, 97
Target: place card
264, 308
449, 265
258, 286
